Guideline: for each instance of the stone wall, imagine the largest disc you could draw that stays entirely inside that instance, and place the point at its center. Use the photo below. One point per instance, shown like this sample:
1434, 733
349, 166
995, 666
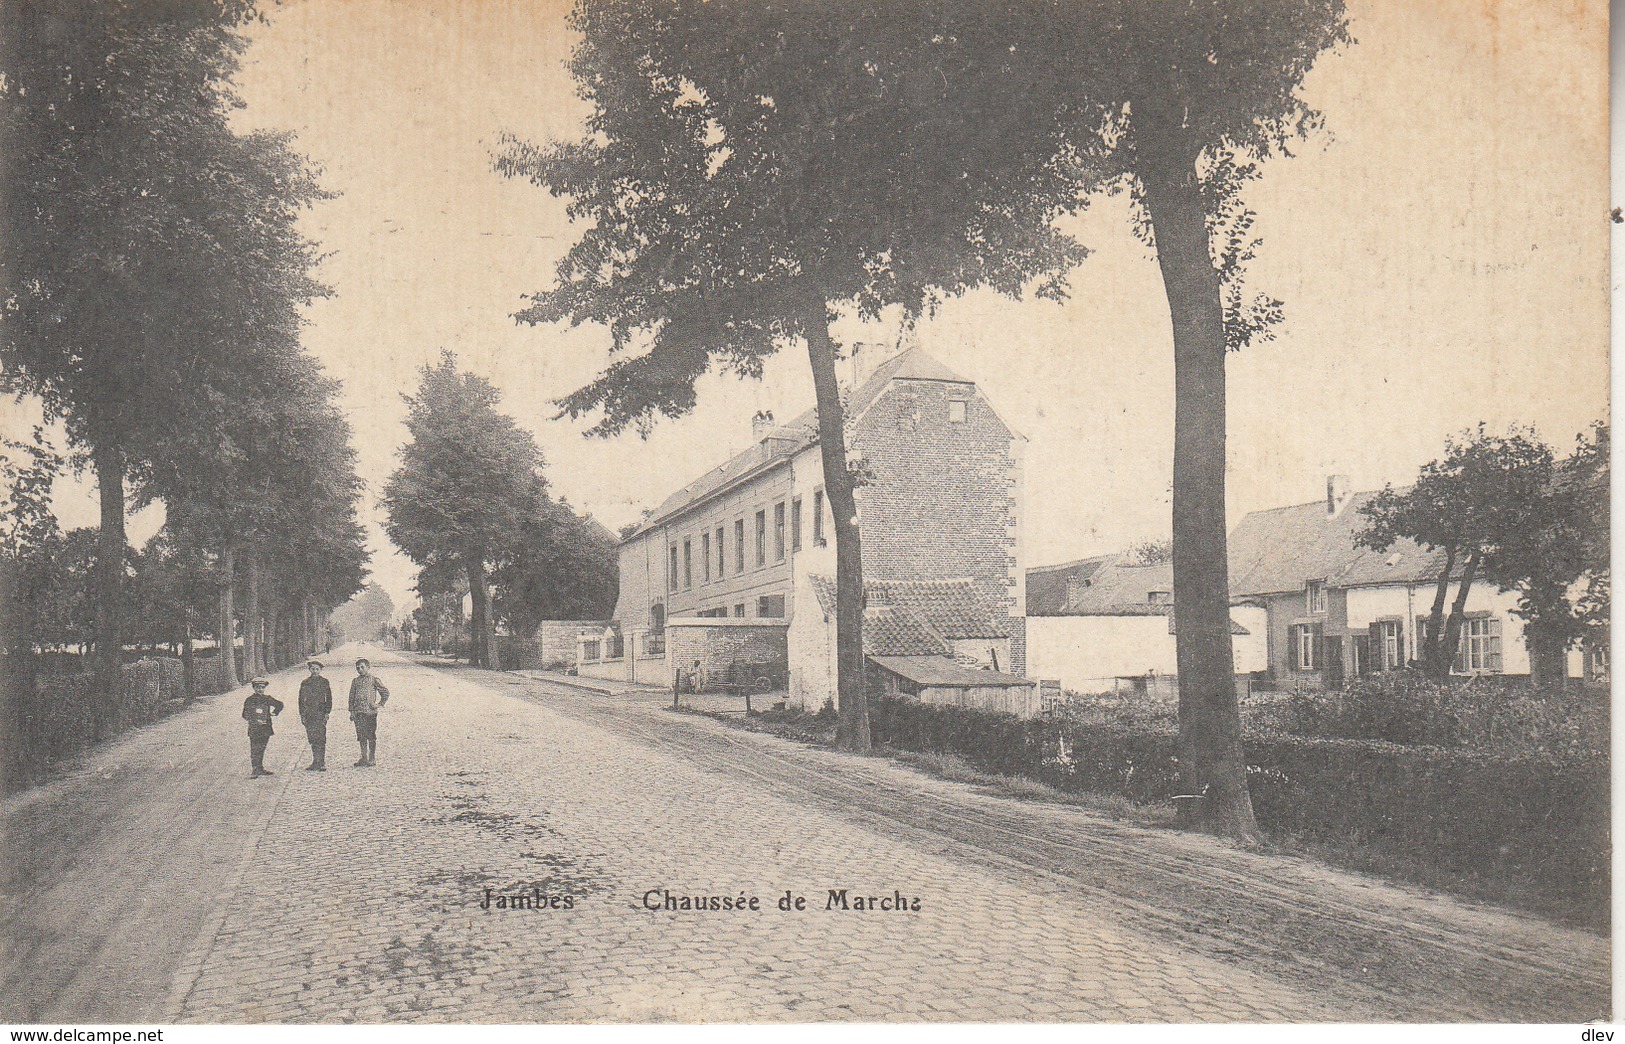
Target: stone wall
552, 646
715, 644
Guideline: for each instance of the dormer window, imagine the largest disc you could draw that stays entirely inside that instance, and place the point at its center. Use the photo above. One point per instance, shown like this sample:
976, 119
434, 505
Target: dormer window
956, 411
1314, 596
1160, 597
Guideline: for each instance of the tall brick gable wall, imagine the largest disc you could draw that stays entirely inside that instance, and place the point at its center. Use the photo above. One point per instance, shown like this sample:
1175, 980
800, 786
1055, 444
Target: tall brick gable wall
942, 498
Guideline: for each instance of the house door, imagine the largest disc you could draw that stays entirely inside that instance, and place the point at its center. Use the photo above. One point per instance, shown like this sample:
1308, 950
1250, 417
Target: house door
1334, 662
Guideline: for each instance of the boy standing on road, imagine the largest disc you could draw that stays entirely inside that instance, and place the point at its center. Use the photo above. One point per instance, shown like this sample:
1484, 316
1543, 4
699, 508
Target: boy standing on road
315, 704
258, 710
367, 694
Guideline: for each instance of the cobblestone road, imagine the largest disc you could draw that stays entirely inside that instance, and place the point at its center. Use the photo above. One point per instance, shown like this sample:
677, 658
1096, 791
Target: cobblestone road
356, 895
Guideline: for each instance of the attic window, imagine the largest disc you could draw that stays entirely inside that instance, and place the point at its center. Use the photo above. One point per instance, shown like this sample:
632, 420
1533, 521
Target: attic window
1160, 597
956, 411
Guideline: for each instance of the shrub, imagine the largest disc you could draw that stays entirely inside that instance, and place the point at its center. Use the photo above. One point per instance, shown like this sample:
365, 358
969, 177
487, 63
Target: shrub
1543, 817
1408, 708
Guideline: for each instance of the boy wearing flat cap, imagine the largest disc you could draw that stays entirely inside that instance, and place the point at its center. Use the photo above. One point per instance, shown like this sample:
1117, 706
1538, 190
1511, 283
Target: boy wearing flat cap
367, 694
315, 704
258, 710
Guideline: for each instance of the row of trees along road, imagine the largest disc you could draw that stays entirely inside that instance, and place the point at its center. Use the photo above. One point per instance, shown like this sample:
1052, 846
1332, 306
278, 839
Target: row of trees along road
751, 170
1506, 510
470, 504
154, 283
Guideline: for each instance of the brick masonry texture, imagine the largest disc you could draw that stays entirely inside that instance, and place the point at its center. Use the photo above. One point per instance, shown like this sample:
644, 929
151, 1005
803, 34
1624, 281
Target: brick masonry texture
940, 502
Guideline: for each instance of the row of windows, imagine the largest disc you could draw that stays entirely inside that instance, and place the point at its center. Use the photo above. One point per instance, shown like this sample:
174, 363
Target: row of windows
715, 559
1479, 650
767, 607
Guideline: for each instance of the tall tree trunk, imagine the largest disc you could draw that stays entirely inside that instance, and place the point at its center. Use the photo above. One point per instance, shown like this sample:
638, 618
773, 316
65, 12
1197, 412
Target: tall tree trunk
1458, 616
482, 640
1434, 665
253, 658
851, 696
17, 682
109, 463
1211, 759
188, 661
227, 624
1548, 657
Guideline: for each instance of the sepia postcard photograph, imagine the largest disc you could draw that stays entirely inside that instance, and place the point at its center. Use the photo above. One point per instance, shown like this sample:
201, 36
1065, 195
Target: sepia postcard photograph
804, 511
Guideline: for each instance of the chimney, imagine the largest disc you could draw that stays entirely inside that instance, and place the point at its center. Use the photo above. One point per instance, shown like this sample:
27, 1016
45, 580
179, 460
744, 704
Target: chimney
761, 424
1337, 494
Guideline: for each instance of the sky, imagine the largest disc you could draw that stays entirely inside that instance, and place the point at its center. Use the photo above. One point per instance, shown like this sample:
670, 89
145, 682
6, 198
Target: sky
1441, 252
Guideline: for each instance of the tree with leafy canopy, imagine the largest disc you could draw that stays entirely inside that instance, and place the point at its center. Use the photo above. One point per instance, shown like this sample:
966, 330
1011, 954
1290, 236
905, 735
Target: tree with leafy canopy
1558, 559
1188, 99
469, 480
561, 566
121, 254
751, 170
28, 531
1477, 503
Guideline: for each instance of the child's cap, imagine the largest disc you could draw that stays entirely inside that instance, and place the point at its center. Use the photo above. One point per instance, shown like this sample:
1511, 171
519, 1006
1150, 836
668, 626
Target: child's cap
260, 683
313, 663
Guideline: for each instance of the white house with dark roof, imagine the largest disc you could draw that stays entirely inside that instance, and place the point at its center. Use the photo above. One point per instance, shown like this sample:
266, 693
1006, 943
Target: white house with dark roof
1337, 610
735, 560
1106, 623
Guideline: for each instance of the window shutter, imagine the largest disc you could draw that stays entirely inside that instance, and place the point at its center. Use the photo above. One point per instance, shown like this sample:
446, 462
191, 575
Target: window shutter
1377, 658
1296, 642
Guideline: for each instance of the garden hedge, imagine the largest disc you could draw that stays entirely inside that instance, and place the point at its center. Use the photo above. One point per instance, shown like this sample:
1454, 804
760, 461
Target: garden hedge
1544, 818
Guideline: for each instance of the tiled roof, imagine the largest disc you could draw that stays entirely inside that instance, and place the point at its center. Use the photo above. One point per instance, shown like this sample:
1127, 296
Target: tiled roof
1046, 585
1277, 551
791, 438
1121, 587
950, 610
894, 631
939, 670
1112, 585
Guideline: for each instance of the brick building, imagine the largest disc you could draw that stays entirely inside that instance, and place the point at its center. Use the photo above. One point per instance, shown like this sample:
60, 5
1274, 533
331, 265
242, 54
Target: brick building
751, 540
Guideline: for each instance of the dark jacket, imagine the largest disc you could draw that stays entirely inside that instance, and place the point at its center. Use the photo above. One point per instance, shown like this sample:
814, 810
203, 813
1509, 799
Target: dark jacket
367, 694
259, 709
315, 698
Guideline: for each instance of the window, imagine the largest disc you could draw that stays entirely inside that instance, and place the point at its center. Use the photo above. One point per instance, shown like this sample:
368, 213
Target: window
1160, 597
818, 518
739, 610
956, 411
671, 577
657, 617
688, 564
1314, 596
705, 555
795, 524
739, 545
1306, 646
761, 538
908, 411
778, 531
1391, 645
770, 606
617, 647
590, 649
721, 558
1481, 644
